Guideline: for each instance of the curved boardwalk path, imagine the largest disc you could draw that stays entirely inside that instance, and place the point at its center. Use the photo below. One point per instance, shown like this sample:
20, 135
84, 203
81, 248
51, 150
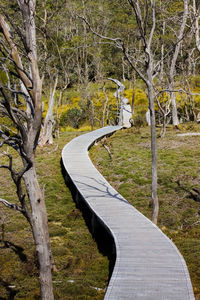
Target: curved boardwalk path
148, 265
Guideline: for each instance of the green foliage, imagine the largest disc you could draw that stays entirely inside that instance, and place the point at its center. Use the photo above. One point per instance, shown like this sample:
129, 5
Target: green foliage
72, 117
196, 81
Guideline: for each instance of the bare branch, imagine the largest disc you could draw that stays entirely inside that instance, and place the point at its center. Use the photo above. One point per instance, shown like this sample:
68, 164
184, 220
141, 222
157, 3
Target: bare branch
15, 56
132, 64
154, 24
12, 205
177, 91
15, 27
136, 7
196, 26
11, 141
9, 129
116, 40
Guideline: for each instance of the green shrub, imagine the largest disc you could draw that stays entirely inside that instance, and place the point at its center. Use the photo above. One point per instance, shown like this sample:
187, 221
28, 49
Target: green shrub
72, 117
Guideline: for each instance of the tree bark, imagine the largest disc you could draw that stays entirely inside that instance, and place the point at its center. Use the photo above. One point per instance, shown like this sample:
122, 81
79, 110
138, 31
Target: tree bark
27, 125
172, 72
104, 106
155, 202
196, 26
175, 119
133, 95
47, 133
39, 224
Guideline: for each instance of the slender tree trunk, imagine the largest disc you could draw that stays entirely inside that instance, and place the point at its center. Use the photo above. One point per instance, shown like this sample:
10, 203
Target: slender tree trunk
197, 18
162, 53
39, 224
47, 133
133, 95
155, 203
105, 106
185, 99
123, 69
163, 132
186, 109
175, 119
150, 88
173, 64
92, 115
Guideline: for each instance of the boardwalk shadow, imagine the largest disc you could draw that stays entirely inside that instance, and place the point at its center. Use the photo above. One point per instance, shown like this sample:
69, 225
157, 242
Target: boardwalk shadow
98, 229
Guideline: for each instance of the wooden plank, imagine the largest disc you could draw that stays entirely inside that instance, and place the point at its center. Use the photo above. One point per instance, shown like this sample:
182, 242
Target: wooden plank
148, 265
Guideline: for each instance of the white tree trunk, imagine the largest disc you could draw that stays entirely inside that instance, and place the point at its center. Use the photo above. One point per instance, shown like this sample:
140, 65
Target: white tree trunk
28, 133
39, 225
150, 88
172, 72
47, 132
196, 28
105, 106
175, 119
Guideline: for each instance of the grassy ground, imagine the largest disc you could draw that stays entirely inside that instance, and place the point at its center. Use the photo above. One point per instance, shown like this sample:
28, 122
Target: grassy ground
82, 271
178, 172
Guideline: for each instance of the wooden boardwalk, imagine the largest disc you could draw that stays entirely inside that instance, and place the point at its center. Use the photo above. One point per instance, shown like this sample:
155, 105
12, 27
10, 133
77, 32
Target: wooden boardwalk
148, 265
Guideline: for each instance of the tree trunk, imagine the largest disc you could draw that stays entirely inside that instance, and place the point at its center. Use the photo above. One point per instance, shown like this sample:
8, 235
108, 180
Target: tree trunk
163, 132
133, 96
105, 106
47, 133
191, 101
196, 18
28, 129
175, 119
162, 52
39, 224
123, 70
150, 89
155, 203
173, 64
92, 115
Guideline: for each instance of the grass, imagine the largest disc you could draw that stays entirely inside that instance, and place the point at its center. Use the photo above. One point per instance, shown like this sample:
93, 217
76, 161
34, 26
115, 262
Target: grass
82, 270
178, 172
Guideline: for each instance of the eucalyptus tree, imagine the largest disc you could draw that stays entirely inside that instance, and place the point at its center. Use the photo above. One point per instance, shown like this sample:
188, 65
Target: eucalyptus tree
173, 59
142, 61
146, 23
148, 57
195, 21
21, 119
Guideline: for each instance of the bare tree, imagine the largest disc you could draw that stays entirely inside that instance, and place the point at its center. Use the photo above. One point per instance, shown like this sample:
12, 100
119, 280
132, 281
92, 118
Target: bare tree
47, 132
104, 106
165, 110
146, 69
172, 70
22, 108
146, 73
196, 14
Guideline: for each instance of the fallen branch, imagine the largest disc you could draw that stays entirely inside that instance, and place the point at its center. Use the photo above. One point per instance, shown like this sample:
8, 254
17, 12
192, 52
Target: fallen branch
107, 149
193, 224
